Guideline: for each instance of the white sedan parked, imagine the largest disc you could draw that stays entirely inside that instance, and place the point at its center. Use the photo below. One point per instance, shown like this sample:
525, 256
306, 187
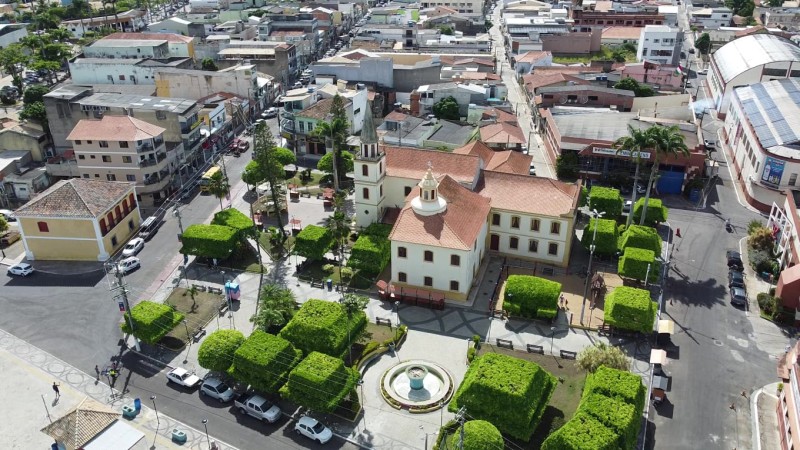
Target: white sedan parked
183, 377
133, 247
312, 429
20, 270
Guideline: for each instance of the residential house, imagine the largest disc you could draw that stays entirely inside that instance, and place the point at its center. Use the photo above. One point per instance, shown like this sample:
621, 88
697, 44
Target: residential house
710, 18
590, 96
141, 46
91, 71
124, 148
617, 36
179, 26
425, 97
661, 77
243, 80
20, 177
309, 118
79, 220
503, 135
405, 130
128, 21
660, 44
781, 17
11, 33
26, 136
277, 59
526, 62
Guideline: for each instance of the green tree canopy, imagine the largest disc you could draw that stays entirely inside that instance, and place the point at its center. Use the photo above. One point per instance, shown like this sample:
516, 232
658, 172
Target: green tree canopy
325, 164
285, 156
703, 43
264, 151
34, 93
447, 108
478, 435
276, 307
151, 321
601, 354
639, 90
209, 64
217, 350
219, 187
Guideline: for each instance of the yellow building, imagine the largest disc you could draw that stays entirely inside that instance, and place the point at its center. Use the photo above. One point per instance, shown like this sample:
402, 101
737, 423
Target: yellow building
79, 220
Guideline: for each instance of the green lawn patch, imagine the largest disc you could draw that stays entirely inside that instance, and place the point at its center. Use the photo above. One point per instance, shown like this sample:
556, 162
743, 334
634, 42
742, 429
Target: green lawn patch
198, 313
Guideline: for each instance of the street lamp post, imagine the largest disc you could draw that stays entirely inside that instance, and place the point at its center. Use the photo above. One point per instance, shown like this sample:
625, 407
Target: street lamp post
552, 338
596, 215
397, 313
205, 425
227, 298
189, 337
158, 421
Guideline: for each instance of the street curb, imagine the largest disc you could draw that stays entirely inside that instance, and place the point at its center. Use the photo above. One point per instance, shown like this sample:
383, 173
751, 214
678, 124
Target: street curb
347, 439
754, 417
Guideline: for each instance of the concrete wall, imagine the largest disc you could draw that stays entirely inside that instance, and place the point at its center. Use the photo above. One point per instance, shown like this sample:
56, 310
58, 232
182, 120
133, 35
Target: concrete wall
371, 71
10, 140
406, 79
576, 43
111, 73
98, 50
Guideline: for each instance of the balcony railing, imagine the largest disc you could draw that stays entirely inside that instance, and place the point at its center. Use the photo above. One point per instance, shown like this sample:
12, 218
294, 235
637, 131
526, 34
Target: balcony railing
144, 147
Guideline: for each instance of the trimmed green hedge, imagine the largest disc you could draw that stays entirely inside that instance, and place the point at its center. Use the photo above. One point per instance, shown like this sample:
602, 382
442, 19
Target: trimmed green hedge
217, 350
582, 432
210, 241
621, 417
321, 326
151, 321
634, 262
638, 236
608, 417
508, 392
370, 254
606, 199
656, 211
630, 309
235, 219
605, 243
319, 382
378, 230
264, 361
525, 295
313, 242
478, 435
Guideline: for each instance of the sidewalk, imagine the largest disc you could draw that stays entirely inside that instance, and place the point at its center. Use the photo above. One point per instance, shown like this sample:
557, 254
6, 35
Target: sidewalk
31, 404
763, 404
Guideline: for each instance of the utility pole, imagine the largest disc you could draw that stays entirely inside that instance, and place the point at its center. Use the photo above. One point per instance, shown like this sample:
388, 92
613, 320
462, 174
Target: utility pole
460, 417
123, 295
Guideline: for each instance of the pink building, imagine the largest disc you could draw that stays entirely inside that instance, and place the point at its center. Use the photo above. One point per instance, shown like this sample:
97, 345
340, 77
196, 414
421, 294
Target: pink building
665, 78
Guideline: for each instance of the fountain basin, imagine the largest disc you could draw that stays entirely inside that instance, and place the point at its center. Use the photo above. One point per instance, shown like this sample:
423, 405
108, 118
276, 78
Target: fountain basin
417, 386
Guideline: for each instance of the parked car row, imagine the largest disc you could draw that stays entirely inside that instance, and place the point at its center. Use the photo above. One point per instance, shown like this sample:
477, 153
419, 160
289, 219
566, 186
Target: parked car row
736, 278
250, 404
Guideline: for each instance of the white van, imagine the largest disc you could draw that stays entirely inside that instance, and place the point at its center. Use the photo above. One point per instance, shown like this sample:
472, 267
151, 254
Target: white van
151, 225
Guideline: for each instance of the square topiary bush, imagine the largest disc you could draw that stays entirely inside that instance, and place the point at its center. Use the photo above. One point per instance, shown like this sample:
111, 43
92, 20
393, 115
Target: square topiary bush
631, 309
605, 241
621, 417
313, 242
525, 295
582, 432
321, 326
656, 211
370, 254
634, 262
319, 382
235, 219
152, 321
606, 199
264, 361
617, 384
218, 349
209, 241
508, 392
638, 236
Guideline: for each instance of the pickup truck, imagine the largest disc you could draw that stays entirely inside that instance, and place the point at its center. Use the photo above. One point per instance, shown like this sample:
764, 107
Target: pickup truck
258, 407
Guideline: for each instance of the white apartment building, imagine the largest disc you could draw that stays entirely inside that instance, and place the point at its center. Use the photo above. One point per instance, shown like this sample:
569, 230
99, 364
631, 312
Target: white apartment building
711, 18
660, 44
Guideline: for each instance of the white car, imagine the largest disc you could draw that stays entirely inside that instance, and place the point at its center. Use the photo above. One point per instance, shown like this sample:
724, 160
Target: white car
270, 113
216, 388
8, 215
532, 170
312, 429
20, 270
182, 377
129, 265
133, 247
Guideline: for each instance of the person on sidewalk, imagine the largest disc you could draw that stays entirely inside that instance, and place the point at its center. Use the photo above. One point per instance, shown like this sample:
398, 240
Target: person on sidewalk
55, 389
97, 371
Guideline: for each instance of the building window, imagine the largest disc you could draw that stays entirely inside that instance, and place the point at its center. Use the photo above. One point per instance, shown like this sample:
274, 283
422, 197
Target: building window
552, 249
130, 224
428, 256
43, 227
123, 144
81, 156
302, 125
364, 170
111, 177
792, 179
453, 285
428, 281
86, 175
130, 177
113, 241
401, 252
513, 242
365, 193
535, 224
515, 222
555, 228
78, 142
455, 260
407, 190
103, 144
161, 115
496, 219
533, 246
122, 78
380, 191
402, 277
127, 159
106, 158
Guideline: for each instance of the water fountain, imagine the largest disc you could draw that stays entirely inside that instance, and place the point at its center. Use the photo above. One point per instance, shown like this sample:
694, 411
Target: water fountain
417, 384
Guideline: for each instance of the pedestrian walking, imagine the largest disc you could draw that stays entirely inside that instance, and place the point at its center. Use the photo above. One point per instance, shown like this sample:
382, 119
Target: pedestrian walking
55, 389
97, 371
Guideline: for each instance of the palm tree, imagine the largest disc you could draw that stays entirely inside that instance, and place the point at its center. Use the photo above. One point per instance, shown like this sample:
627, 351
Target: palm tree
335, 132
666, 141
351, 304
219, 187
636, 141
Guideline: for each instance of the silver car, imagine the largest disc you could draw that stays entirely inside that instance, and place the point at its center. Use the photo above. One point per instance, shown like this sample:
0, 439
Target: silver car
738, 296
217, 389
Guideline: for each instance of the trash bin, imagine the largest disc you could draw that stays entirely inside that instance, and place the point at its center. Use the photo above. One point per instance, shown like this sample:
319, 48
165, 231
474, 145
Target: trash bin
330, 284
137, 404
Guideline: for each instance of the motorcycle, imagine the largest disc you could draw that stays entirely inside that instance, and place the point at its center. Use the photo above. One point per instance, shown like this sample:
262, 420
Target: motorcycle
728, 226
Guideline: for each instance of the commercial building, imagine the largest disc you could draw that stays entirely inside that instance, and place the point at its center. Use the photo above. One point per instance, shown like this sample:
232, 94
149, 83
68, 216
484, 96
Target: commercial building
710, 18
585, 96
91, 71
79, 220
129, 21
781, 17
762, 134
749, 60
404, 130
141, 46
660, 44
788, 409
274, 58
123, 148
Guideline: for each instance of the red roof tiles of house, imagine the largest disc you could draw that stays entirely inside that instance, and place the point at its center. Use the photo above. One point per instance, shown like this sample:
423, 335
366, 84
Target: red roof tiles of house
115, 129
525, 193
457, 227
497, 161
76, 198
412, 163
502, 133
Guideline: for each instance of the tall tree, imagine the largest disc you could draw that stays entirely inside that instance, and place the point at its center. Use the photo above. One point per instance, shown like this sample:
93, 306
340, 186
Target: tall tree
666, 141
13, 59
339, 225
276, 306
219, 187
636, 141
335, 133
264, 152
703, 43
352, 304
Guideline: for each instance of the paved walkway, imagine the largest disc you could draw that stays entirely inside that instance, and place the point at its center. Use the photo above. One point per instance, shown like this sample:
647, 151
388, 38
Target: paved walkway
763, 402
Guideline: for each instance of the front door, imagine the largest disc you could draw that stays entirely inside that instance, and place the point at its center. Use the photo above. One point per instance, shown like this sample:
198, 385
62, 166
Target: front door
494, 242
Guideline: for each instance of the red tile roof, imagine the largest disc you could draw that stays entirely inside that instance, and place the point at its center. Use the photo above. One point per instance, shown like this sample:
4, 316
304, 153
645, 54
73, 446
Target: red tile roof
541, 78
405, 162
533, 56
525, 193
499, 115
457, 227
115, 129
76, 198
502, 133
507, 161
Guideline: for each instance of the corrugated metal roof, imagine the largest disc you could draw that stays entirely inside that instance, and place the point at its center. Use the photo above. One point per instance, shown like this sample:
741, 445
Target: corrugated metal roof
773, 110
751, 51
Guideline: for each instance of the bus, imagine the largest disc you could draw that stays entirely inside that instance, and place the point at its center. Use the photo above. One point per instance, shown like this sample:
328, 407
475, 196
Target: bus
206, 179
